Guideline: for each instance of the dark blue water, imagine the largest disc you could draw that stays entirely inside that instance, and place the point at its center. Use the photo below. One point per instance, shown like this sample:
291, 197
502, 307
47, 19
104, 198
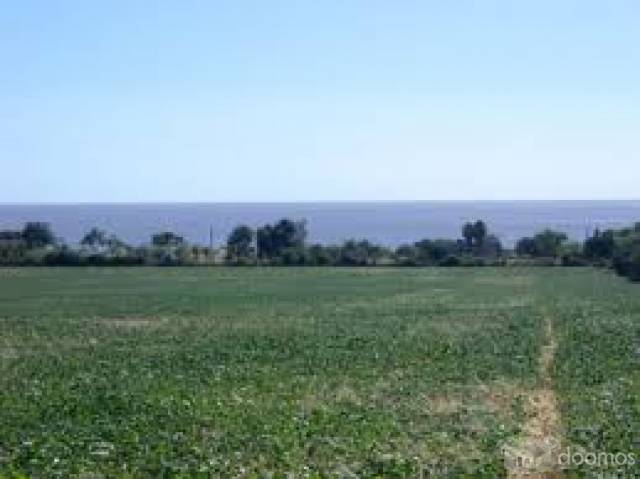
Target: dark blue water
389, 223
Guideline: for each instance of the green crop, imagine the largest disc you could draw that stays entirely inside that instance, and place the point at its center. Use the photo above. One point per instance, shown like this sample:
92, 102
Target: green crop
245, 372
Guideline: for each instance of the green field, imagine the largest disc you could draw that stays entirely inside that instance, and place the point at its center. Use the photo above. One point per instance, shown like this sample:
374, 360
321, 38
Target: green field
379, 372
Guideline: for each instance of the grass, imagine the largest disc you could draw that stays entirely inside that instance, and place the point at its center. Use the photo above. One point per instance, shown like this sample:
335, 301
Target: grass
198, 372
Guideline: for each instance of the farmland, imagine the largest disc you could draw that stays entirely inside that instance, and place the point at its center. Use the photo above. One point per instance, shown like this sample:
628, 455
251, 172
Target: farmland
313, 372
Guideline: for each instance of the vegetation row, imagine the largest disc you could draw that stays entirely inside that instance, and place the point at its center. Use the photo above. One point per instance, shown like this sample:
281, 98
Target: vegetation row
285, 244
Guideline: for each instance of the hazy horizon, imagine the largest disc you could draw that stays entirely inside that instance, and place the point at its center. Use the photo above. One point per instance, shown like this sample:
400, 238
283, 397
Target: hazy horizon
191, 102
311, 202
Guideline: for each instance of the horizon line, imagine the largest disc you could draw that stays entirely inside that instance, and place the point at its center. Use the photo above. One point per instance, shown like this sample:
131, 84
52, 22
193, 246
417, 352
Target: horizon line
308, 202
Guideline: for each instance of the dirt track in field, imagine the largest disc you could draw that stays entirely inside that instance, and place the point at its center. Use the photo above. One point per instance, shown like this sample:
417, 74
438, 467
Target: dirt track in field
535, 456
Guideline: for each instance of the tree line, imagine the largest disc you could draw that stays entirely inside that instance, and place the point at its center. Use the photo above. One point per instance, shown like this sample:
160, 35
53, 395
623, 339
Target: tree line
284, 243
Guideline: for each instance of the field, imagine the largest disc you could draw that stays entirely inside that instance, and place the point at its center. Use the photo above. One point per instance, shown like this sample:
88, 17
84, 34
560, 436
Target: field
217, 372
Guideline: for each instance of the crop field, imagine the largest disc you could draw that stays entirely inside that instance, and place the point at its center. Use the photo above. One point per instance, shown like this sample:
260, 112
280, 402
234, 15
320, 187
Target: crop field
318, 373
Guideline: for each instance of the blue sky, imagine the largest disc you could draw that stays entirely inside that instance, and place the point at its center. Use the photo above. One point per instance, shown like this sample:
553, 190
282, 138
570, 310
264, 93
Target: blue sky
318, 100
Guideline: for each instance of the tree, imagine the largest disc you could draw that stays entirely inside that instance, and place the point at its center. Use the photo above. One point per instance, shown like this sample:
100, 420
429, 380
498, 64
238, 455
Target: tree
626, 256
526, 247
95, 239
474, 234
293, 256
38, 235
239, 243
479, 233
434, 251
285, 234
491, 246
167, 238
361, 253
265, 241
407, 255
571, 254
99, 241
320, 255
634, 267
63, 256
547, 244
600, 245
357, 253
468, 233
627, 262
11, 237
288, 233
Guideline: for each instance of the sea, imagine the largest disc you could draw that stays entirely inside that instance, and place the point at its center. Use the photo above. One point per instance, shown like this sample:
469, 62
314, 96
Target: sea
389, 223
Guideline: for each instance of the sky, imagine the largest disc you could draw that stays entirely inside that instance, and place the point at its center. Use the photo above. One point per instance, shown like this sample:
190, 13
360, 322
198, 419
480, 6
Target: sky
332, 100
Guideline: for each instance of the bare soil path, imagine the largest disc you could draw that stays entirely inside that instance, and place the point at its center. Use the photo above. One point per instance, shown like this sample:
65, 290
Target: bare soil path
535, 454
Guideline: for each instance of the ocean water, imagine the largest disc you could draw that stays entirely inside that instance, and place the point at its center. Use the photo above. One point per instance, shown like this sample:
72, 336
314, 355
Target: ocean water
388, 223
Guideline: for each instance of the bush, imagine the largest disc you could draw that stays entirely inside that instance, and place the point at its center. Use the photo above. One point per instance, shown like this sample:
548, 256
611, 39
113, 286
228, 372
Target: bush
38, 235
628, 264
293, 256
319, 255
406, 255
547, 243
63, 257
13, 255
573, 260
600, 245
634, 269
450, 261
